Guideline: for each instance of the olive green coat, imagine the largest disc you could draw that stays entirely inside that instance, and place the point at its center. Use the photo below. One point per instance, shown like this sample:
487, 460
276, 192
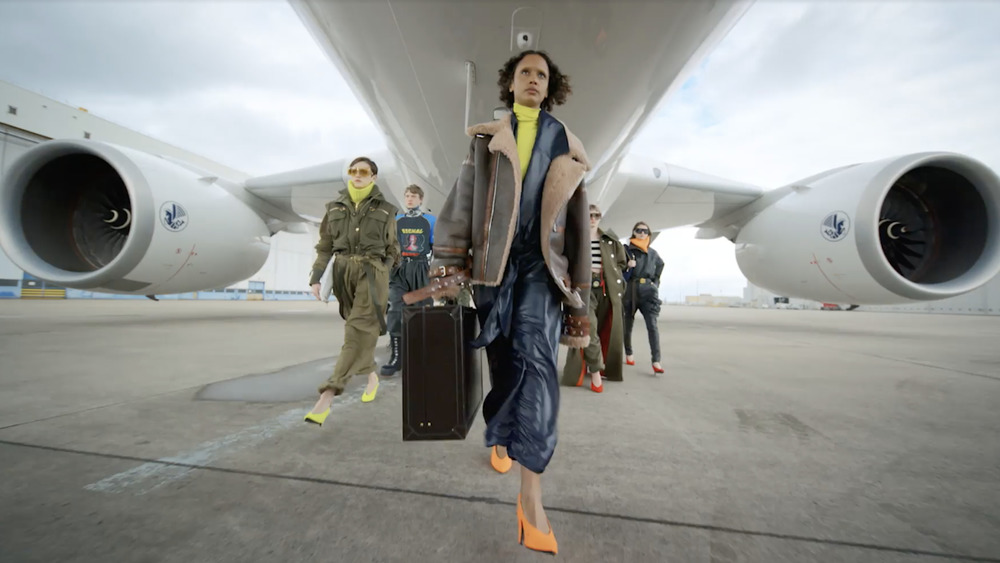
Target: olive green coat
609, 329
363, 239
368, 230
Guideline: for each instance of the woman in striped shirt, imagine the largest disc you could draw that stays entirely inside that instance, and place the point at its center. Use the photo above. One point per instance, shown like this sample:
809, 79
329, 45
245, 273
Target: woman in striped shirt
603, 356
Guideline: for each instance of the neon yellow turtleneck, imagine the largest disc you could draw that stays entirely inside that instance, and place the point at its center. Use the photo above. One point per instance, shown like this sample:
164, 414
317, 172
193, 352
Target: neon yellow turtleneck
359, 194
527, 129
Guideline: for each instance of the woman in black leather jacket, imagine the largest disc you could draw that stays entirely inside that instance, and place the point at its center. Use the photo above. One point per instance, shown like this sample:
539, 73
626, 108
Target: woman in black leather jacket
642, 293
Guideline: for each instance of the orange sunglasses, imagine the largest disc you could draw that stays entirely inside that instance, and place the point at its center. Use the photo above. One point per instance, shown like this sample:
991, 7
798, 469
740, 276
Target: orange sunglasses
360, 172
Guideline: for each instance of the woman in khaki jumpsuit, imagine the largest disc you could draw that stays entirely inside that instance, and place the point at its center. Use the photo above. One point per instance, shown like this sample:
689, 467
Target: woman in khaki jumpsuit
359, 228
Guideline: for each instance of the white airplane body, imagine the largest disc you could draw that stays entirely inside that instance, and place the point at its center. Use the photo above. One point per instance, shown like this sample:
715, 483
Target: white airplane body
908, 228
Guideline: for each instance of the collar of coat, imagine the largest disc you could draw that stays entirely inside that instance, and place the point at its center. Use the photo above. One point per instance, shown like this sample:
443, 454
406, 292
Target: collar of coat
345, 196
565, 173
504, 142
608, 234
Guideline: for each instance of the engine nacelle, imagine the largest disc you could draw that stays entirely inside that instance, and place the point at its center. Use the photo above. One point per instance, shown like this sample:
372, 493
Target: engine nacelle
912, 228
91, 215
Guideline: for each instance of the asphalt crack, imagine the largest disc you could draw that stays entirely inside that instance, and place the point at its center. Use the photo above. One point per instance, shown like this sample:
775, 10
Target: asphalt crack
495, 501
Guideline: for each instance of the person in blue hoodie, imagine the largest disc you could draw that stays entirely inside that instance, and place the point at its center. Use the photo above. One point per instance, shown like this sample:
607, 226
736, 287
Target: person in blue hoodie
415, 230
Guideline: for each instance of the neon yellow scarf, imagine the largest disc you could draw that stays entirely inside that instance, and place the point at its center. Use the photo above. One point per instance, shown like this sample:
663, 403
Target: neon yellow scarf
527, 129
359, 194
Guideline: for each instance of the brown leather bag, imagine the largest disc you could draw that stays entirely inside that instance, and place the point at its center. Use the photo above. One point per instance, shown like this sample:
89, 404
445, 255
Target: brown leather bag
439, 288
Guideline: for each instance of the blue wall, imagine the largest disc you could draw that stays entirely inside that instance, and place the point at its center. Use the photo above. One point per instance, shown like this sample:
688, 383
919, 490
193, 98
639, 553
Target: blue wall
211, 295
13, 291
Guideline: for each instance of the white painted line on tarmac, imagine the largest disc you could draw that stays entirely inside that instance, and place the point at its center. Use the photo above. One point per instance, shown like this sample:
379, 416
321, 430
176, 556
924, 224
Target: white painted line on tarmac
150, 476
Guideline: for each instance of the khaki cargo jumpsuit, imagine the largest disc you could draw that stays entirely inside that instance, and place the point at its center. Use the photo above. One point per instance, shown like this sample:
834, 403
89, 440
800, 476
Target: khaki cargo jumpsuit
363, 240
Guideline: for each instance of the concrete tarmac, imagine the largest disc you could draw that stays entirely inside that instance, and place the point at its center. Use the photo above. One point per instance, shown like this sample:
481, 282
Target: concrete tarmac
172, 431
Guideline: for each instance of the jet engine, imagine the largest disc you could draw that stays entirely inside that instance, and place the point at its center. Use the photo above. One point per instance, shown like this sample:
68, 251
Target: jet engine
96, 216
912, 228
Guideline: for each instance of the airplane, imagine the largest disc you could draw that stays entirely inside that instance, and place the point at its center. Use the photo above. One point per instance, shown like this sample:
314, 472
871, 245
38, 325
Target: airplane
90, 214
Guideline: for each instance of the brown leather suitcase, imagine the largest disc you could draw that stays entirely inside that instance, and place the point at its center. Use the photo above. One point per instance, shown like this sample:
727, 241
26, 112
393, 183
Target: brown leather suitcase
442, 373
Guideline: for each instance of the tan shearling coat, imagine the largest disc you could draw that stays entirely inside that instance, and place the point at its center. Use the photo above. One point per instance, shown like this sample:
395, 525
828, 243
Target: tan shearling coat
475, 228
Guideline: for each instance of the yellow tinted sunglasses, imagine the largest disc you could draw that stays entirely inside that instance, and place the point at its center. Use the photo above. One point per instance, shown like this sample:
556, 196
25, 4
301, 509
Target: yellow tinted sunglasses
360, 172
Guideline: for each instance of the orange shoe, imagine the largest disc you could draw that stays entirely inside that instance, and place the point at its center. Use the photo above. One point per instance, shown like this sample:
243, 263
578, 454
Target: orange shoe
657, 369
595, 388
629, 361
500, 464
531, 538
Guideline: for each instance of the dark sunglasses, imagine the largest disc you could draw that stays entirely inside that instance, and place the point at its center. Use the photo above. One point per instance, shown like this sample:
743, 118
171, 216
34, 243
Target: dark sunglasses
641, 231
597, 215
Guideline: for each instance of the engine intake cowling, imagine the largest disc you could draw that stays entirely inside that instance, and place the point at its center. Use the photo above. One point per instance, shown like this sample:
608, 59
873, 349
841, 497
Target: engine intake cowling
912, 228
96, 216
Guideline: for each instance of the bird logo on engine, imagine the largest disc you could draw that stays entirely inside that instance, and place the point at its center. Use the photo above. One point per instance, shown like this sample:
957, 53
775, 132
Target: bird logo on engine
835, 226
173, 216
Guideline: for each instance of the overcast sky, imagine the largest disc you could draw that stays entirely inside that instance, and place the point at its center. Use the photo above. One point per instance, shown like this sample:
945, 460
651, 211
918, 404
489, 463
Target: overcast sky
794, 89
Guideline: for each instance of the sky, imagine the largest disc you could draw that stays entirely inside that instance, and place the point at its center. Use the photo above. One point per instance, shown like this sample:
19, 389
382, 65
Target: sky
794, 89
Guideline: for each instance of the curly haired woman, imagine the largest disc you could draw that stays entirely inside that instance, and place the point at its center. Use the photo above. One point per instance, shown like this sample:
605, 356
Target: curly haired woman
518, 215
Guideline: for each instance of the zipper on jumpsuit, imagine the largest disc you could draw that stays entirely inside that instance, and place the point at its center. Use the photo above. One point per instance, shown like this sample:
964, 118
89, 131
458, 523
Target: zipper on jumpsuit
358, 212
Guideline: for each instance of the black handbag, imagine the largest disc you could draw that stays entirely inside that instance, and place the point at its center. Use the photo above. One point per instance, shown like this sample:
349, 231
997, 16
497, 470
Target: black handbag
442, 372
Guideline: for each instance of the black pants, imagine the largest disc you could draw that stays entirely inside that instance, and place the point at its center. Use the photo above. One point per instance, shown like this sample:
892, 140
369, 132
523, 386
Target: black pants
408, 276
646, 301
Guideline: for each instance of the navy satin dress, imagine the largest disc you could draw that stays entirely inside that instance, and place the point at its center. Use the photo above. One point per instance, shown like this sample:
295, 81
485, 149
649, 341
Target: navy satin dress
521, 320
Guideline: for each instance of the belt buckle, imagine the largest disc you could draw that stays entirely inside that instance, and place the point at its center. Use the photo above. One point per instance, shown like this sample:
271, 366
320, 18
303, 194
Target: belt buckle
642, 280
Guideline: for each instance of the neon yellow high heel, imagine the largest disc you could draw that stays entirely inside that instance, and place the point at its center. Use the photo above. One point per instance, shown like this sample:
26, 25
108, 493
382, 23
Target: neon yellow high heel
317, 417
366, 398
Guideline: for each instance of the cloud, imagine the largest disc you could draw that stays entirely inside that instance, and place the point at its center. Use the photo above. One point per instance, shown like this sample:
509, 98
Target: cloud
693, 267
154, 48
253, 129
244, 85
796, 89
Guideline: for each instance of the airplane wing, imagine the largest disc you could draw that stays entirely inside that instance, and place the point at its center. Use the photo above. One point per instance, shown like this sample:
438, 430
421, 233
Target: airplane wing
305, 192
664, 195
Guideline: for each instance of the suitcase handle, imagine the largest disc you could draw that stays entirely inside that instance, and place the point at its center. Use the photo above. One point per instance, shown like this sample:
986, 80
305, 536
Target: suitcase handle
447, 286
